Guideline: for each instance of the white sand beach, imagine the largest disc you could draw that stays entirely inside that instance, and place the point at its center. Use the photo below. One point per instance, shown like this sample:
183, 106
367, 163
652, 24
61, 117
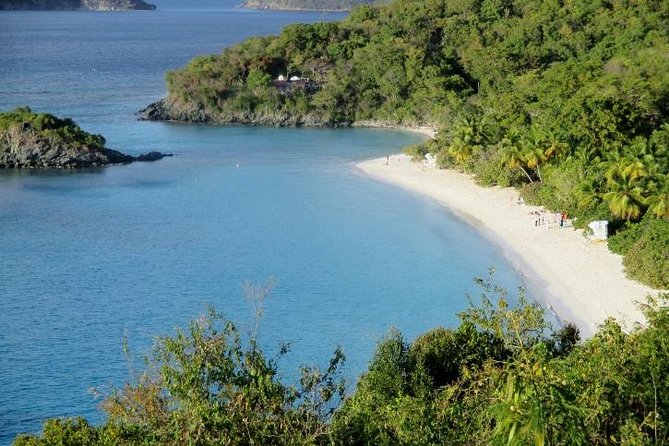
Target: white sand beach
580, 280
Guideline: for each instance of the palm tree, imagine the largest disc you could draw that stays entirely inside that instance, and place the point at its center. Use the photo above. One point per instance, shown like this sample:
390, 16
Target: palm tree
658, 201
511, 151
588, 194
469, 136
627, 168
587, 155
460, 150
539, 147
625, 199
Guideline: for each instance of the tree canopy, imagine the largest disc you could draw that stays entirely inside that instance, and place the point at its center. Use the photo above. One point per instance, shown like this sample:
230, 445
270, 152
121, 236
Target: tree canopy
327, 5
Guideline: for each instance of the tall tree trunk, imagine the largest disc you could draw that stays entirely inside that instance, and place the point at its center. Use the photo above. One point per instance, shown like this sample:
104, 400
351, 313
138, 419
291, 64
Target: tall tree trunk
526, 174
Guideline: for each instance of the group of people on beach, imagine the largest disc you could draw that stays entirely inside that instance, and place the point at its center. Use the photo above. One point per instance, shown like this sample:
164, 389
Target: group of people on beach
397, 158
540, 216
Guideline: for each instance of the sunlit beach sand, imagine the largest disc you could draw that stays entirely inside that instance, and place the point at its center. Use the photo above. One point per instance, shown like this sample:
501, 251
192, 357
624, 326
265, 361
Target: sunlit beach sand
577, 278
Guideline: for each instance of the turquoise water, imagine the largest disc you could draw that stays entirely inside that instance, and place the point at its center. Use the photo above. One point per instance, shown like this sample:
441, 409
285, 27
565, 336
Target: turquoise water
91, 257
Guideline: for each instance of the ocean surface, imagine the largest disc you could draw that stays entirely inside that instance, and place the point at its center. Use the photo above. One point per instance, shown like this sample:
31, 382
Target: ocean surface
90, 258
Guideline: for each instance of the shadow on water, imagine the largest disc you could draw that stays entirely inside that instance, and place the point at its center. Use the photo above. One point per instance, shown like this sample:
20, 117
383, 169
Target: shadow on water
75, 182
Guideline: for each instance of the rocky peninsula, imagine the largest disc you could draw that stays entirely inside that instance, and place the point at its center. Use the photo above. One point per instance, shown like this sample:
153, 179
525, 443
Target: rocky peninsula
33, 141
73, 5
168, 109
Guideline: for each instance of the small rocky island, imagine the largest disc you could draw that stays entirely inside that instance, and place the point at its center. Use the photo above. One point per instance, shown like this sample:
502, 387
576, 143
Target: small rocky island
306, 5
31, 141
73, 5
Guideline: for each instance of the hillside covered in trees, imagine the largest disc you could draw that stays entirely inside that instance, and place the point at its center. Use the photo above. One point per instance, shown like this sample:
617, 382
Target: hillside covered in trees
569, 101
501, 378
311, 5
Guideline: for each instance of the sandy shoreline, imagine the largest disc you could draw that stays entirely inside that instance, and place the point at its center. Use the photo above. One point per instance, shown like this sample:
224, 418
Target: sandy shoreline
580, 280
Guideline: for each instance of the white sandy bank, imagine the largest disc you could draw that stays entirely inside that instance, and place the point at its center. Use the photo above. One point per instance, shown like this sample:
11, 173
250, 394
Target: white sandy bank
581, 280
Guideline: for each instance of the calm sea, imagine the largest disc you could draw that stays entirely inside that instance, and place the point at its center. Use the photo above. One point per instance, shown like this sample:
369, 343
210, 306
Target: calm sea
90, 258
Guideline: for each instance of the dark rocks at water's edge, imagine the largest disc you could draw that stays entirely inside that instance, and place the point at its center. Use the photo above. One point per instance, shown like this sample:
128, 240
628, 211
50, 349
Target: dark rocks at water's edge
30, 140
151, 156
164, 110
72, 5
160, 111
26, 151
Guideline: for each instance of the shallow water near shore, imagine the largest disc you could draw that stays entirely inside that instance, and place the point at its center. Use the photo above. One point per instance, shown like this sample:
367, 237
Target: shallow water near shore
91, 257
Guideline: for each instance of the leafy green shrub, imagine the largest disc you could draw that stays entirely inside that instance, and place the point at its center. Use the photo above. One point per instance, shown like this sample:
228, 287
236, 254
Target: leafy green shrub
625, 238
417, 151
207, 385
440, 355
531, 193
488, 170
647, 259
71, 432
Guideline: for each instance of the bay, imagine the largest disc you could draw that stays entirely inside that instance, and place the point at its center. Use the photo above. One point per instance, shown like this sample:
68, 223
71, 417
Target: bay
90, 258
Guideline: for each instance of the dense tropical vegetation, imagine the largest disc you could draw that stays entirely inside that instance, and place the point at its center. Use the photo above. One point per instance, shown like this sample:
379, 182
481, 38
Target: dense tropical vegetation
567, 100
503, 377
325, 5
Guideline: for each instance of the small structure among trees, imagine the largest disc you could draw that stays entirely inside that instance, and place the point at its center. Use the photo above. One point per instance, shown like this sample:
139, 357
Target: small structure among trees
286, 85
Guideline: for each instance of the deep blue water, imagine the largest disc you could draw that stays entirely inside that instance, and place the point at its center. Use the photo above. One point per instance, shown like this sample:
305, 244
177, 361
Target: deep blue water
91, 257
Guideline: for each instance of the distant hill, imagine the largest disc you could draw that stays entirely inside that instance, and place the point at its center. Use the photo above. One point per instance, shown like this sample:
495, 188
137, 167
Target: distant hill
325, 5
71, 5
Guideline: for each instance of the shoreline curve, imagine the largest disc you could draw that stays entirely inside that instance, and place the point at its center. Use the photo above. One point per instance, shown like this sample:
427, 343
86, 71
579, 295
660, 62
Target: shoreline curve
578, 280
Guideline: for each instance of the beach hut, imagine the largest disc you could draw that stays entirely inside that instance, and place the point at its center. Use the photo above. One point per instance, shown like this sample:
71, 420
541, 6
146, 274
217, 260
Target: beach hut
600, 229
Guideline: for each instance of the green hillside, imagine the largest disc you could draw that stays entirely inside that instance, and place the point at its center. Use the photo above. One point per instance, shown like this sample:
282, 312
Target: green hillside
312, 5
569, 101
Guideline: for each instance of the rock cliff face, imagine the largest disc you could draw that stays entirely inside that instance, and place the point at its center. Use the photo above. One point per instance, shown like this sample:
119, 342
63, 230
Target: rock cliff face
23, 149
30, 140
167, 110
312, 5
71, 5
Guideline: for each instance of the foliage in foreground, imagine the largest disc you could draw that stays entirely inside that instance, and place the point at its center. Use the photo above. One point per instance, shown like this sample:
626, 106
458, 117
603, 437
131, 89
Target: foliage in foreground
205, 385
501, 377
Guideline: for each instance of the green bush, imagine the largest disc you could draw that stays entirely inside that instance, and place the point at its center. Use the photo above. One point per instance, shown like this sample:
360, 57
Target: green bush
70, 432
439, 356
417, 151
623, 240
647, 259
488, 170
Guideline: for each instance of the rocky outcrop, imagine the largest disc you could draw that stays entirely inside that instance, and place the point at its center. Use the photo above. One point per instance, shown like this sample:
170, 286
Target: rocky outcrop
26, 149
71, 5
166, 110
